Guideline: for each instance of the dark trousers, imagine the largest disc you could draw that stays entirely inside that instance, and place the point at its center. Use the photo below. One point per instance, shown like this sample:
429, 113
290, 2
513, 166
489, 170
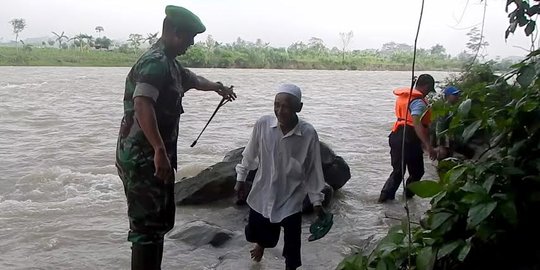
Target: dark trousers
413, 158
266, 234
147, 256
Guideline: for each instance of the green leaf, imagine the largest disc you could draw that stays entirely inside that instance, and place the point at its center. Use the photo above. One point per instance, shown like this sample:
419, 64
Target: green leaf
533, 10
464, 251
479, 213
386, 248
455, 173
425, 260
513, 171
473, 198
395, 235
448, 248
438, 198
429, 241
425, 189
471, 129
526, 75
353, 262
385, 265
520, 64
530, 28
405, 225
465, 107
394, 229
509, 211
516, 147
473, 188
530, 106
522, 20
534, 53
488, 183
439, 218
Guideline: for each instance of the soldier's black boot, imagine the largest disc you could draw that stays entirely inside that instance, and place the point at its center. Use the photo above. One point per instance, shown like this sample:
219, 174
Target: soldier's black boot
146, 257
160, 255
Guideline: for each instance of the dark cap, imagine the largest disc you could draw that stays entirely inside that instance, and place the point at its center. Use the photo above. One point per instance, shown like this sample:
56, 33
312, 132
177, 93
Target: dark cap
426, 80
184, 20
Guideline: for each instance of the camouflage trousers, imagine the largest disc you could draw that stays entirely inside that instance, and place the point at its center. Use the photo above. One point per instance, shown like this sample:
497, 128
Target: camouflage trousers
150, 202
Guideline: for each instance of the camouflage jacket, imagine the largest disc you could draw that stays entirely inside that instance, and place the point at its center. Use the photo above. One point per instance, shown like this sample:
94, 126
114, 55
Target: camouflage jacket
165, 81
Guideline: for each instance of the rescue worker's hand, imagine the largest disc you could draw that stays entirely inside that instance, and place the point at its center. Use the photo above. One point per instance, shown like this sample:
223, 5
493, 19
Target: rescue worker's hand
162, 165
226, 92
442, 152
430, 151
241, 190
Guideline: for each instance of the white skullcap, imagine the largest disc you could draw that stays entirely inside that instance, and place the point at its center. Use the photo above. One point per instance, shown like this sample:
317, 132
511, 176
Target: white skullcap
290, 89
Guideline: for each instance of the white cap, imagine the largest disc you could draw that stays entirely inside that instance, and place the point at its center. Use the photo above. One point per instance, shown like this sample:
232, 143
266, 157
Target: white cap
290, 89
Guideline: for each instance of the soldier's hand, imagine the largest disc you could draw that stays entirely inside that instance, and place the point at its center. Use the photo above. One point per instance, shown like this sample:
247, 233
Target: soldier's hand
162, 165
226, 92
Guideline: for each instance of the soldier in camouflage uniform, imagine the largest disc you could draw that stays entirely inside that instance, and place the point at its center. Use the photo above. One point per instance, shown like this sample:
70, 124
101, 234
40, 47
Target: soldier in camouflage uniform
146, 149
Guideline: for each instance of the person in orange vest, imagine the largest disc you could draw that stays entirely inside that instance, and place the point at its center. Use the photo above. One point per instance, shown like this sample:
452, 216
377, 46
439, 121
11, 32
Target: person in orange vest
414, 113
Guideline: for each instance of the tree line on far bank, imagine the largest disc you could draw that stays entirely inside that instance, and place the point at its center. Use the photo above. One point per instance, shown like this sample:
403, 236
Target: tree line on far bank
313, 54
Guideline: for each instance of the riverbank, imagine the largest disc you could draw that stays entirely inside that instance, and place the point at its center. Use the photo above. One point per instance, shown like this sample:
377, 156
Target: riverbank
38, 56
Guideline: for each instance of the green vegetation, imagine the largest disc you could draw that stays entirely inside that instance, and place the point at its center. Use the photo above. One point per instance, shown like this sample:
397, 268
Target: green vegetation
484, 211
31, 56
85, 50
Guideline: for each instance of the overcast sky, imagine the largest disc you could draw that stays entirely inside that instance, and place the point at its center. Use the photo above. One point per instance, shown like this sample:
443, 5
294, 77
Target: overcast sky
279, 22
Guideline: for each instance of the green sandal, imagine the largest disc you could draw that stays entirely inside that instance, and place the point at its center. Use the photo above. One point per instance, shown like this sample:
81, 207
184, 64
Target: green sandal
321, 227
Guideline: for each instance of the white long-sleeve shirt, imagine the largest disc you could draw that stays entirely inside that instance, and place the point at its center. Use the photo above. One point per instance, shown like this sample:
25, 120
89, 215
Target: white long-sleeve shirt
289, 167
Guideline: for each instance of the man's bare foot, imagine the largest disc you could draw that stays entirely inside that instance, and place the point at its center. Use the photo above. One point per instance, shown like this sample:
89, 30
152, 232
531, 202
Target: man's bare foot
257, 253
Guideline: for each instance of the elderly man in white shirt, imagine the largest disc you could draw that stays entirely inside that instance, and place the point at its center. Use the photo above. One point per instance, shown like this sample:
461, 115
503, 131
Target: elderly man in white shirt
285, 150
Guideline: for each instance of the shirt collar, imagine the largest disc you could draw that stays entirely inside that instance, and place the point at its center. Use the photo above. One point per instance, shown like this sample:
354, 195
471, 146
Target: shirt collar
296, 130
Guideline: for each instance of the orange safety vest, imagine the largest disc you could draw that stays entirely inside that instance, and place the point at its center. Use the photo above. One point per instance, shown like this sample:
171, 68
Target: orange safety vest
401, 108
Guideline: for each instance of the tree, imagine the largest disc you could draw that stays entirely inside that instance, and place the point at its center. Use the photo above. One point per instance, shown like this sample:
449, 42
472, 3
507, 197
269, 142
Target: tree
345, 41
60, 39
259, 43
438, 51
316, 44
50, 42
135, 41
18, 26
239, 44
102, 43
80, 39
151, 38
393, 47
210, 44
297, 48
99, 29
26, 47
476, 43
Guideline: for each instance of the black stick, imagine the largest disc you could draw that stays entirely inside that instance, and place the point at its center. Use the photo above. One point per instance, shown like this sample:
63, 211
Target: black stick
221, 103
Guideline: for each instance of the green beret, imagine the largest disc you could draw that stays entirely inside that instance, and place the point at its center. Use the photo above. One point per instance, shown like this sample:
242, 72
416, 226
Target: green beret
184, 20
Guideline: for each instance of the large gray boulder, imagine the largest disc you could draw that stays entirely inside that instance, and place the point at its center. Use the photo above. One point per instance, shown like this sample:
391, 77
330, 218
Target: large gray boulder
199, 233
217, 182
336, 171
213, 183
